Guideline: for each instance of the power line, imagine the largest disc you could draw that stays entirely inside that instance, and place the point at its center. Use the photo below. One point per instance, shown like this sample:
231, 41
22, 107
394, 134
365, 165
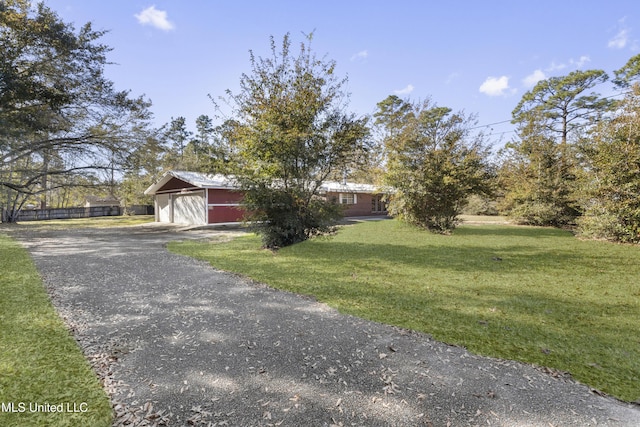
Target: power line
501, 133
509, 121
490, 124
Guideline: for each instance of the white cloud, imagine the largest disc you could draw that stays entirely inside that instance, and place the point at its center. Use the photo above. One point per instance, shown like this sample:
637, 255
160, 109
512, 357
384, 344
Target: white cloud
407, 90
533, 78
363, 54
542, 74
622, 37
451, 78
556, 67
580, 62
155, 18
620, 40
495, 86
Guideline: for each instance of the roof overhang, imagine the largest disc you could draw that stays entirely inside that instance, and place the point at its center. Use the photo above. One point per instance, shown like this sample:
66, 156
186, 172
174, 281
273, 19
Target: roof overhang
350, 187
195, 179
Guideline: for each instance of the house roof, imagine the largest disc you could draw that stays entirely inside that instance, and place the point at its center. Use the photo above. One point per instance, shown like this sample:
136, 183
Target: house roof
348, 187
203, 180
197, 179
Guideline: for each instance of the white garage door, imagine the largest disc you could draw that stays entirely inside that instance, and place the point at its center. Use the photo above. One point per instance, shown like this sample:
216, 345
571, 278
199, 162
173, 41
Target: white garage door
189, 208
164, 210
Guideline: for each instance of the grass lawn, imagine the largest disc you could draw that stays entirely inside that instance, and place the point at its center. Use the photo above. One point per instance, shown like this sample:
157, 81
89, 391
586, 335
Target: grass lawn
537, 295
40, 363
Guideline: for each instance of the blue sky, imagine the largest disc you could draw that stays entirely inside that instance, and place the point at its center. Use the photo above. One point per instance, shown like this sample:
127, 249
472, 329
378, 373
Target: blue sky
476, 56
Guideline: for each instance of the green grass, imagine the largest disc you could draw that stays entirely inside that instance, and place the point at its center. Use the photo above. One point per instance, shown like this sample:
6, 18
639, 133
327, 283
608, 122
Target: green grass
552, 300
40, 363
95, 222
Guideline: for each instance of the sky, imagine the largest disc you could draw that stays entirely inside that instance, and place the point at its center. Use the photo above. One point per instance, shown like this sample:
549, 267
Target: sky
479, 56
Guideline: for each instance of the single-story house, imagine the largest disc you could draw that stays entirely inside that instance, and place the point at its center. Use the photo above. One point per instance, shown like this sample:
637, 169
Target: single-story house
197, 198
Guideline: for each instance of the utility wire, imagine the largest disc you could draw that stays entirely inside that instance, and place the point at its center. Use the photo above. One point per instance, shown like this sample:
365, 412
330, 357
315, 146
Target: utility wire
509, 121
490, 124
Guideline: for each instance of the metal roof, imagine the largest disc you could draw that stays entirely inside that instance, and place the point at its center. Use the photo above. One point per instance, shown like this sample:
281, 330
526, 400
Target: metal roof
348, 187
203, 180
197, 179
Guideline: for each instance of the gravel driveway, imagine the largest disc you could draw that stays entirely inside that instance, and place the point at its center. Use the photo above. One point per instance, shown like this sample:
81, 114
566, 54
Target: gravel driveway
180, 343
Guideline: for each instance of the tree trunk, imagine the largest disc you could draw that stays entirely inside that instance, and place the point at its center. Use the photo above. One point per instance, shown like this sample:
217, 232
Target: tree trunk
45, 165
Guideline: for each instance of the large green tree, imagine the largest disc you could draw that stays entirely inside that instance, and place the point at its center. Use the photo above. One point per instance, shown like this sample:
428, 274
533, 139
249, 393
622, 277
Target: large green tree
537, 178
561, 104
176, 136
60, 118
210, 149
291, 133
612, 182
143, 166
539, 173
434, 161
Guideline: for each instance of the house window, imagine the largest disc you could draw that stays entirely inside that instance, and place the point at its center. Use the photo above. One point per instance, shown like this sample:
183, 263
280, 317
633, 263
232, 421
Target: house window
348, 199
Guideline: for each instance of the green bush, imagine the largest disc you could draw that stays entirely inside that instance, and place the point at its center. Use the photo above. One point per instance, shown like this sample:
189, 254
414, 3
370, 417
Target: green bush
601, 224
283, 217
537, 213
478, 205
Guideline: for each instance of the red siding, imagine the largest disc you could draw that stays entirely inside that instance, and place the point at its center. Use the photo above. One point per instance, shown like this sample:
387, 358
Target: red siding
218, 214
222, 196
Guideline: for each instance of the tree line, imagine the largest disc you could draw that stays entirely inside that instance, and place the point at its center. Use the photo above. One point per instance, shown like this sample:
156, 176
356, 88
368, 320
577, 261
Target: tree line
574, 160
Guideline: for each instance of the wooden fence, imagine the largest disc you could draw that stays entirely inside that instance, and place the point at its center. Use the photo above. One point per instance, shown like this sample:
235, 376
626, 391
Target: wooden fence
66, 213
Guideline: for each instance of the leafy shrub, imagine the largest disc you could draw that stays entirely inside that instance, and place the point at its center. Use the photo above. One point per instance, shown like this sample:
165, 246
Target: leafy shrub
284, 217
478, 205
534, 212
597, 223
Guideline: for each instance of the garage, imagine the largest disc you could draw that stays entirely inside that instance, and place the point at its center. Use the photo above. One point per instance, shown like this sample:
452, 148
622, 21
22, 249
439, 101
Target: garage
196, 198
189, 208
163, 208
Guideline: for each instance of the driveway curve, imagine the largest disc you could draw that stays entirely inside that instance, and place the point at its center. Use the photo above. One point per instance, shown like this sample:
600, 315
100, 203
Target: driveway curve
180, 343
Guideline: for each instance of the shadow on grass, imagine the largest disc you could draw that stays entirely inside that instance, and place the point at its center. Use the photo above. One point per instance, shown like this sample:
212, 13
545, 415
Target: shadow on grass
512, 296
512, 231
586, 337
488, 298
509, 259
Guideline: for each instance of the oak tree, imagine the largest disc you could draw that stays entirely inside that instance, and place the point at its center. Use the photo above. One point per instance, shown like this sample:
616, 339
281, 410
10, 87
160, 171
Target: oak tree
291, 132
434, 162
61, 120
